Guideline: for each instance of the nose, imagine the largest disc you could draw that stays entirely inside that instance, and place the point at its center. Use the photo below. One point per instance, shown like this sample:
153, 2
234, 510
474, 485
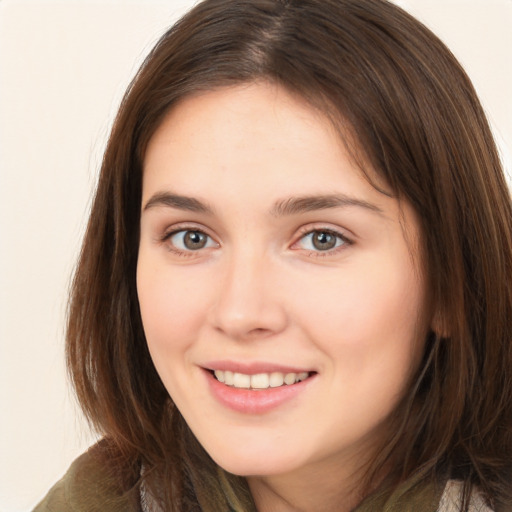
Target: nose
249, 301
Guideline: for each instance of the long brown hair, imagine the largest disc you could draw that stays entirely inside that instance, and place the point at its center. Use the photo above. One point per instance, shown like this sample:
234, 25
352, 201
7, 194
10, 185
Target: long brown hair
413, 115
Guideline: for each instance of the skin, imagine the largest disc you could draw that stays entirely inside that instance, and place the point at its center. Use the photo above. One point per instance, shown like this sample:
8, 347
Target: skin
259, 290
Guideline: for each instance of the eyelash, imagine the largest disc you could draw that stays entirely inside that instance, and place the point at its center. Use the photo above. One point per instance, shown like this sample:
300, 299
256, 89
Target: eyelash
304, 232
345, 241
181, 229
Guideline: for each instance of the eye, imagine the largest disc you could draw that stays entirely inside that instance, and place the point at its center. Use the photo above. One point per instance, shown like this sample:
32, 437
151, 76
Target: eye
322, 240
190, 240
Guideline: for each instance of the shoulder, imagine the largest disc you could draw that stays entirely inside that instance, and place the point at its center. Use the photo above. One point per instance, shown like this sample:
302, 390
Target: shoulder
452, 498
89, 486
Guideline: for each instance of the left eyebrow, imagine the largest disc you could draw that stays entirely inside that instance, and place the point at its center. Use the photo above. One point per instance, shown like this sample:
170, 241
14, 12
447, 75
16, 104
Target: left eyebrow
179, 202
303, 204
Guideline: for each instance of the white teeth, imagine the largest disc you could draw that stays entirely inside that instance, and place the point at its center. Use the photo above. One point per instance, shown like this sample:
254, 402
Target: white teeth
289, 378
276, 379
228, 378
240, 380
302, 376
259, 380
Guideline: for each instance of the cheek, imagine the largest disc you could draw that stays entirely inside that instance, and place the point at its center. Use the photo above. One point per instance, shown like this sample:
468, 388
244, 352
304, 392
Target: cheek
371, 335
173, 310
368, 320
172, 307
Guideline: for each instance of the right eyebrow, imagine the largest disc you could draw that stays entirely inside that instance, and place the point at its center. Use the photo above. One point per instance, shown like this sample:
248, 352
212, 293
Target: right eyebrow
302, 204
179, 202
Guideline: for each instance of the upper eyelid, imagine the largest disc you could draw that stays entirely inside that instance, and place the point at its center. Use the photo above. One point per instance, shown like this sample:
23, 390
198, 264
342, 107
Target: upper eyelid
333, 252
165, 240
176, 228
311, 228
343, 233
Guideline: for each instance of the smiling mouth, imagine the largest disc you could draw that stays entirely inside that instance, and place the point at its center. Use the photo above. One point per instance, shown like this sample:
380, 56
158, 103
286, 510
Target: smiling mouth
259, 381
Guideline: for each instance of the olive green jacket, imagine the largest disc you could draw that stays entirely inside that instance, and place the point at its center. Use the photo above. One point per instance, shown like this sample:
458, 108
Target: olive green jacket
84, 488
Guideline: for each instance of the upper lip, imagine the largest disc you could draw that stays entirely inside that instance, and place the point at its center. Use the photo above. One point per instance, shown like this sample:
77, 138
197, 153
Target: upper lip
253, 368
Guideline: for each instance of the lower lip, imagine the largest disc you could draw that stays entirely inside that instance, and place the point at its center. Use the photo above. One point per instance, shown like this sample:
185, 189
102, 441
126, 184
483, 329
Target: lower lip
251, 401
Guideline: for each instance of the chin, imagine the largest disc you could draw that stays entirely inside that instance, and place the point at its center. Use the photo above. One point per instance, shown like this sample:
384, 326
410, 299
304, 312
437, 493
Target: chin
256, 463
258, 468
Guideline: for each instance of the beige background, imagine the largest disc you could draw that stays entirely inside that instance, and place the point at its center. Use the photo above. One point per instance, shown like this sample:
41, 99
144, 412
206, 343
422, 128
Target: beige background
63, 68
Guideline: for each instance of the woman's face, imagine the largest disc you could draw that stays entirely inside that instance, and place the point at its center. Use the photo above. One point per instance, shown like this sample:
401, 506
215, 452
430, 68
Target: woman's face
266, 259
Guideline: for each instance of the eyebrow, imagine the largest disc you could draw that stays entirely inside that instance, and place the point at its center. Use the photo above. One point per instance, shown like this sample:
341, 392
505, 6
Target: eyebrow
179, 202
302, 204
281, 208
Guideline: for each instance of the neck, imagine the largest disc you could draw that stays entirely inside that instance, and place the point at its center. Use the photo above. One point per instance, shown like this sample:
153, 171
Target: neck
330, 489
269, 496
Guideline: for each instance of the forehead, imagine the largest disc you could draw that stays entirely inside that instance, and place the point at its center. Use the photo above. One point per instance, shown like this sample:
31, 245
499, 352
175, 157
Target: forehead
250, 128
241, 110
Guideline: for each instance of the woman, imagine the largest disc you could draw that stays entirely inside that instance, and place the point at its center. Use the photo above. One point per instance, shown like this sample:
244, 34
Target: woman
295, 288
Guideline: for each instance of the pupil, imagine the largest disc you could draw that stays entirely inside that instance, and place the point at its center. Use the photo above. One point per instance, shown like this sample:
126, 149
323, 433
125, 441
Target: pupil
194, 240
324, 240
